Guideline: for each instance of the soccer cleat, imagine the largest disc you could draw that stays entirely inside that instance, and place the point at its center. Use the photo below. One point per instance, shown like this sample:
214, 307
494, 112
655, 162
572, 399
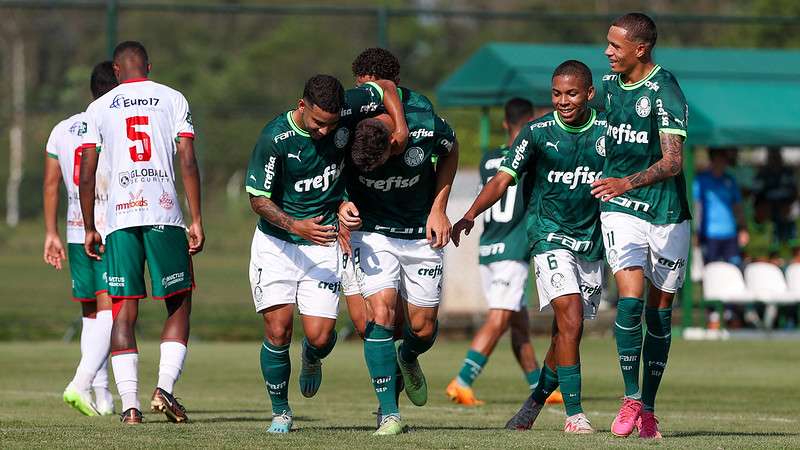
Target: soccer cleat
104, 402
555, 398
281, 423
648, 426
415, 384
463, 395
165, 402
578, 424
390, 425
131, 416
81, 401
310, 374
626, 418
524, 418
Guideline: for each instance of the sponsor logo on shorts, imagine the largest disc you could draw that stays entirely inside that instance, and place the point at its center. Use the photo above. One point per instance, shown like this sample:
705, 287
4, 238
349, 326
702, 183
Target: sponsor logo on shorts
500, 282
333, 287
121, 101
497, 248
320, 182
116, 281
558, 280
175, 278
432, 272
136, 203
630, 204
612, 256
143, 176
414, 156
571, 243
590, 291
258, 294
389, 183
672, 265
166, 201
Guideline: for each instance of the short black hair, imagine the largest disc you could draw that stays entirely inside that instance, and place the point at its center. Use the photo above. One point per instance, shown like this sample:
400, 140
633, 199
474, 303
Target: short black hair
370, 144
378, 62
518, 110
131, 46
103, 79
575, 68
324, 91
640, 28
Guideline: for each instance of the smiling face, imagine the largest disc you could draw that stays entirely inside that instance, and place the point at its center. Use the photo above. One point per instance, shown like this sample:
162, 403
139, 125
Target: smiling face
571, 95
623, 54
318, 122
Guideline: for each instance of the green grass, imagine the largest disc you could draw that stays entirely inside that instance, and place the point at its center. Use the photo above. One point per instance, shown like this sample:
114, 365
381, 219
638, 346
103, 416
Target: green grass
715, 395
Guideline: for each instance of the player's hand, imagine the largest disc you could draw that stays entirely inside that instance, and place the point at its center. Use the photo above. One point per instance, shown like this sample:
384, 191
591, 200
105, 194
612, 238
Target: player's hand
344, 241
54, 251
744, 238
438, 229
311, 230
464, 225
607, 188
348, 216
93, 245
197, 239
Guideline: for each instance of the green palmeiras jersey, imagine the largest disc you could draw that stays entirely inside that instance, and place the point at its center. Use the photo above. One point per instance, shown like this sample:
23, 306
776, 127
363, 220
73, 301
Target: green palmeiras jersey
636, 114
396, 198
504, 234
562, 162
300, 174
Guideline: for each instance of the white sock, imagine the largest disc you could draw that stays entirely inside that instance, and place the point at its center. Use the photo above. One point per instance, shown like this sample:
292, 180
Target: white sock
101, 334
173, 354
125, 373
85, 372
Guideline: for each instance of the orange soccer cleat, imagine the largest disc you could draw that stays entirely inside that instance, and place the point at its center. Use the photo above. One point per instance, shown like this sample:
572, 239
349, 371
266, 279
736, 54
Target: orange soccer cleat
463, 395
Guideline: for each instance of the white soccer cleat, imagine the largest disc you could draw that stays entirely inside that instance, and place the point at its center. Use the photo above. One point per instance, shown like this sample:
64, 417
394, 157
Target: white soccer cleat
578, 424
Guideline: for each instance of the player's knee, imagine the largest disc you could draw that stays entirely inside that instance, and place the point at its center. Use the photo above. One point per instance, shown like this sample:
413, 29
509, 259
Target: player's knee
424, 330
498, 320
278, 333
320, 339
383, 315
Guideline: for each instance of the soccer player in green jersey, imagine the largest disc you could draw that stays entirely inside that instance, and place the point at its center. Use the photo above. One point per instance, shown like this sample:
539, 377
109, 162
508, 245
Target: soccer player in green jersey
402, 228
645, 210
294, 183
563, 153
504, 256
89, 285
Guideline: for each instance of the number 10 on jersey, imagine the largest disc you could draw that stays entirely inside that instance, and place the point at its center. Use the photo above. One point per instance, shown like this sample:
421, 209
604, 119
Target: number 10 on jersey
140, 151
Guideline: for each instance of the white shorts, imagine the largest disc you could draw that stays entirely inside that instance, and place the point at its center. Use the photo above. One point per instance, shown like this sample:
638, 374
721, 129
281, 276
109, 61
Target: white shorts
560, 272
504, 284
660, 250
351, 272
284, 273
410, 266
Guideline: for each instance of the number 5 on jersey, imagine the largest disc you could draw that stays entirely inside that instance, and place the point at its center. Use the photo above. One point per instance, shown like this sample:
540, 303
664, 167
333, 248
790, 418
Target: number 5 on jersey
140, 151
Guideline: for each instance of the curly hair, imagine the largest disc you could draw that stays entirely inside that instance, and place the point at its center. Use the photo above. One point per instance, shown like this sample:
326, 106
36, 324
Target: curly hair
378, 62
324, 91
370, 145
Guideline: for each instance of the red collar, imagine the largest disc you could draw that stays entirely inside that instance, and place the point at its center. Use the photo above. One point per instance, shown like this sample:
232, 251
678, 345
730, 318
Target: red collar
135, 80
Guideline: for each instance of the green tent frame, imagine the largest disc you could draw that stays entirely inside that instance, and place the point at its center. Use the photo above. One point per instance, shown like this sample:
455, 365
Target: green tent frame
737, 97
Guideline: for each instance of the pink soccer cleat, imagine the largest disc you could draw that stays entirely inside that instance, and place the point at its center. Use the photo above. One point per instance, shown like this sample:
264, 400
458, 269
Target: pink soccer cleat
648, 426
626, 418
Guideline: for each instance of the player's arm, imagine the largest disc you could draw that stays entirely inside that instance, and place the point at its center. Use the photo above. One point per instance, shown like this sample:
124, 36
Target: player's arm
489, 195
53, 247
438, 228
190, 174
86, 190
308, 229
394, 108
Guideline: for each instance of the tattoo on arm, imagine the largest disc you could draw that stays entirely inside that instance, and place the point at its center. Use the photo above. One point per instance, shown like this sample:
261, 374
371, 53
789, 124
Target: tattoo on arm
670, 164
267, 209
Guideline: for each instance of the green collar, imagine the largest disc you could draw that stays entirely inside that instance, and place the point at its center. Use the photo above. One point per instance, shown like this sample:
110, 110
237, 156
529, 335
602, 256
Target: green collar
580, 129
294, 126
632, 86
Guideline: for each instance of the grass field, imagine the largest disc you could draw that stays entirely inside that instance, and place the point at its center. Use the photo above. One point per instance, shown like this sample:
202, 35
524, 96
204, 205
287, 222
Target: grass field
715, 395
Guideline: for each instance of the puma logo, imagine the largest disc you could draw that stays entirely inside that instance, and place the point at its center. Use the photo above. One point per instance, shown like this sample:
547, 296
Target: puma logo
550, 144
679, 122
295, 155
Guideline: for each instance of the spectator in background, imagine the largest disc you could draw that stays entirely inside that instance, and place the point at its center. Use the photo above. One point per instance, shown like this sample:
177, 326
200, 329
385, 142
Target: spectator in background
721, 226
775, 190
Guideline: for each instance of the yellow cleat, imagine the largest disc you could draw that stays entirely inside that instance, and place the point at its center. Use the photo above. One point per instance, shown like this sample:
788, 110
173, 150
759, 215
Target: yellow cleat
462, 395
555, 398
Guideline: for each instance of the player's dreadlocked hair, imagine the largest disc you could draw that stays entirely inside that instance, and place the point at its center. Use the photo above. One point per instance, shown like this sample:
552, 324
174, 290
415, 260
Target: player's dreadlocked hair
640, 28
576, 69
370, 145
518, 110
378, 62
103, 79
131, 46
324, 91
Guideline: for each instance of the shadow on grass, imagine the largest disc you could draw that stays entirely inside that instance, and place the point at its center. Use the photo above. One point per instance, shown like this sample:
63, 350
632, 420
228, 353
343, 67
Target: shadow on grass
407, 429
701, 433
265, 418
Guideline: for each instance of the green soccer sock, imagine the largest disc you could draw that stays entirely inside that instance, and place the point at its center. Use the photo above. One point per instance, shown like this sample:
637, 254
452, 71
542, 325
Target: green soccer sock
656, 350
569, 379
381, 358
473, 364
276, 369
413, 345
628, 334
314, 354
532, 377
548, 382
